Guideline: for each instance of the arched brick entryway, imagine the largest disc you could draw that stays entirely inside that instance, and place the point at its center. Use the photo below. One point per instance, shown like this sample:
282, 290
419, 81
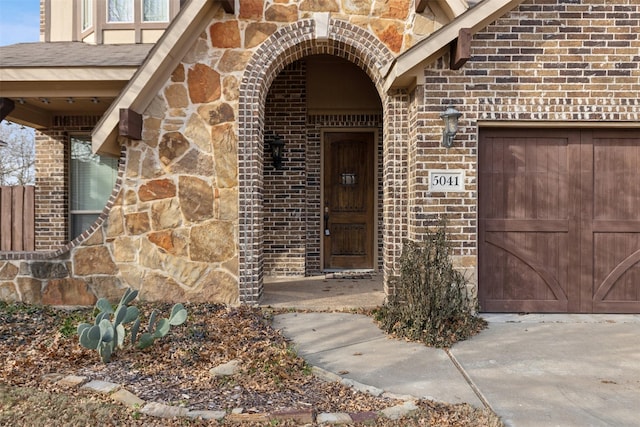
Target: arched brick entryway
285, 46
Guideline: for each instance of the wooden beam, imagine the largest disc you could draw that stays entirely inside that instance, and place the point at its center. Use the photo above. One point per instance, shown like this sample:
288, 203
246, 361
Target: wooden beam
229, 6
32, 116
130, 125
460, 49
451, 8
6, 106
421, 5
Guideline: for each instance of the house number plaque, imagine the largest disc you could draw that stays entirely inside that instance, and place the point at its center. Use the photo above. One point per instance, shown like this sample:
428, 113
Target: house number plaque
348, 179
446, 180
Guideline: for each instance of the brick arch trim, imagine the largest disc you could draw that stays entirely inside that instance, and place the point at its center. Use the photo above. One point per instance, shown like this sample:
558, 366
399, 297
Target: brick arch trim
288, 44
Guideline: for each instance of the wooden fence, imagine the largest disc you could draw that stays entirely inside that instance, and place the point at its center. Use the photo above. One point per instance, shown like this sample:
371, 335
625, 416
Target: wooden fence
17, 218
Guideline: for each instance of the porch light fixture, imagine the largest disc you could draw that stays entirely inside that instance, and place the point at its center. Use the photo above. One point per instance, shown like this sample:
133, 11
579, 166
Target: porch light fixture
277, 147
450, 118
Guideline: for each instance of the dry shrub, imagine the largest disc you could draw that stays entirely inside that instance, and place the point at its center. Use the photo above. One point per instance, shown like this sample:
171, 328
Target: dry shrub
431, 303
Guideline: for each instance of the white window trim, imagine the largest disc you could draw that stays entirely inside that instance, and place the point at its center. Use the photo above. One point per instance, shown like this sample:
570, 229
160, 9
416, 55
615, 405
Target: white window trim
86, 11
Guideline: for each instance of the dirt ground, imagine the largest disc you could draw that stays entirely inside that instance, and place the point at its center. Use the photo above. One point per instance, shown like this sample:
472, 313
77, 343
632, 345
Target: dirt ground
39, 341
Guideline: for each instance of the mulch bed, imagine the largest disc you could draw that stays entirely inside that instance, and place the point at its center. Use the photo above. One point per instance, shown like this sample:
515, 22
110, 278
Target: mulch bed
36, 341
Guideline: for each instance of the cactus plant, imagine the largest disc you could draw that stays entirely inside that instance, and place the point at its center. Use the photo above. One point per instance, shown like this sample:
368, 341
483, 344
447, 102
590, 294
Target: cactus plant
107, 334
159, 328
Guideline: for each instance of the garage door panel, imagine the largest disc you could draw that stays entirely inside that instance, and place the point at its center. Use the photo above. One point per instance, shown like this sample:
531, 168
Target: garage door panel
614, 223
527, 266
524, 306
516, 188
617, 267
616, 179
575, 194
525, 239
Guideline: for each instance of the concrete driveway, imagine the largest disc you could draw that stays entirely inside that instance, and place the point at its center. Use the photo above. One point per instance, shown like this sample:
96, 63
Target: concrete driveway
532, 370
557, 370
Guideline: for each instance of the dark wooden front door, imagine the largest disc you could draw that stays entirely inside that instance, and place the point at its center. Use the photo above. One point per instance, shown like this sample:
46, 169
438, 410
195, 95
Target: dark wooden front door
559, 220
348, 211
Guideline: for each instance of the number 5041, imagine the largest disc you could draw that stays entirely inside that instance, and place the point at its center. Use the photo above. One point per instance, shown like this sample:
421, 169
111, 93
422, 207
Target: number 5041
450, 180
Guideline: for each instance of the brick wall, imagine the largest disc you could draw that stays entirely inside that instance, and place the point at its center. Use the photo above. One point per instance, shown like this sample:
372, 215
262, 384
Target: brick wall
284, 46
397, 138
52, 180
51, 190
285, 190
292, 195
549, 62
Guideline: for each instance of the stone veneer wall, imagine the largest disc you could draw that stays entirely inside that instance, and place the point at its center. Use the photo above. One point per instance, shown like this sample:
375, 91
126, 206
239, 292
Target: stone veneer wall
188, 223
182, 236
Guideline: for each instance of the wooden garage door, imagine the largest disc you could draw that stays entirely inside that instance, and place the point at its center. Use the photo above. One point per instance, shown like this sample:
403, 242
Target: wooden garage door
559, 220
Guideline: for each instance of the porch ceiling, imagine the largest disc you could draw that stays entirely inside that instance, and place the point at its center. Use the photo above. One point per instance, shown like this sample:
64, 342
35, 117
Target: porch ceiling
38, 112
65, 78
37, 101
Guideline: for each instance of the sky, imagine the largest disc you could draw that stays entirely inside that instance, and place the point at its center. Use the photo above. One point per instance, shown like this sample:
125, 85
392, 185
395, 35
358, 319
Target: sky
19, 21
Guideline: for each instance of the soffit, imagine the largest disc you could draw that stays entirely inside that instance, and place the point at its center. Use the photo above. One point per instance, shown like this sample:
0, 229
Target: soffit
38, 113
38, 101
65, 78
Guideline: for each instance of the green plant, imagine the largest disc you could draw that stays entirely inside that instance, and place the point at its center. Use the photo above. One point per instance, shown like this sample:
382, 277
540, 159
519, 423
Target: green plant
430, 303
107, 334
157, 328
68, 328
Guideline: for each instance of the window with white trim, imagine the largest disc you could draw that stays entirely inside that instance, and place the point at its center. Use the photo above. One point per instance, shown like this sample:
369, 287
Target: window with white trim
91, 178
155, 10
87, 14
119, 10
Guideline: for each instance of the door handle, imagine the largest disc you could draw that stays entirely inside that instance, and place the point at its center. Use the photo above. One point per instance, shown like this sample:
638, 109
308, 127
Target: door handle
326, 221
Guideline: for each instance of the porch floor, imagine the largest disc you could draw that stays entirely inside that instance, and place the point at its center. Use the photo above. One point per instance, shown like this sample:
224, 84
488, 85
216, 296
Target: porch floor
324, 293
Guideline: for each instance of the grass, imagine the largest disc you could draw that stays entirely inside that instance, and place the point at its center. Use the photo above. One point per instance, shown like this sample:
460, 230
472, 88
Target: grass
17, 404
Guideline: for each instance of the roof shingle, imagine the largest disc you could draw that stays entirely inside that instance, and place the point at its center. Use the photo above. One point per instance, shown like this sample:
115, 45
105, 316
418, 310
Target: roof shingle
72, 54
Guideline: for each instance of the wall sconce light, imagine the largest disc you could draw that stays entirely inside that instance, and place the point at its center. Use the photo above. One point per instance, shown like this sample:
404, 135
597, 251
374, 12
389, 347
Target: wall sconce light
277, 147
450, 118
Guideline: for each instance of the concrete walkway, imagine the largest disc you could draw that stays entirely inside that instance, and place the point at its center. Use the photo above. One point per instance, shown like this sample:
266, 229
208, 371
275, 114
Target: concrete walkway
323, 293
532, 370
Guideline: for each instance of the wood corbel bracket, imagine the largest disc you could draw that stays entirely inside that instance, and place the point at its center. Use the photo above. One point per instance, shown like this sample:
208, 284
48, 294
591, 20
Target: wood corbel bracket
130, 125
460, 49
6, 106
